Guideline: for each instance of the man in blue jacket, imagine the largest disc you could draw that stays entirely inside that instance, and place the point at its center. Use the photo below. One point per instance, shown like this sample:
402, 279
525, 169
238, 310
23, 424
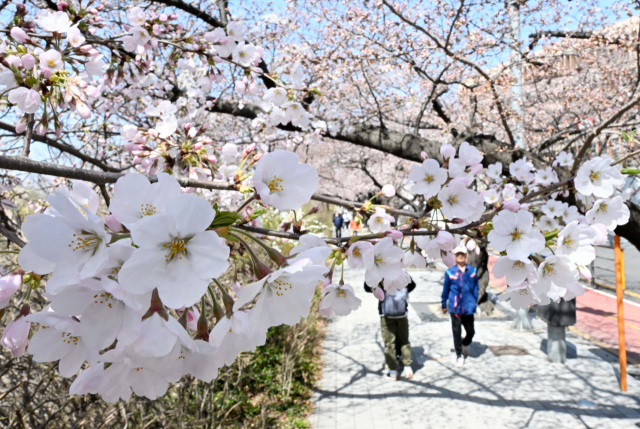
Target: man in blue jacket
460, 298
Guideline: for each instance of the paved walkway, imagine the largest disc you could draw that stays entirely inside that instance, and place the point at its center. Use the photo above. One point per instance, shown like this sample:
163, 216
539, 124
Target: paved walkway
494, 390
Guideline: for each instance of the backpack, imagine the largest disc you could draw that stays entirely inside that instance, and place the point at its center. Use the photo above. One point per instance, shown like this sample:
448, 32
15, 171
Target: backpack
395, 306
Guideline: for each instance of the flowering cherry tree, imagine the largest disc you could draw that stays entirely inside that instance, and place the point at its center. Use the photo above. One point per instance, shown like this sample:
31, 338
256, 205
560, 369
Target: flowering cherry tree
137, 258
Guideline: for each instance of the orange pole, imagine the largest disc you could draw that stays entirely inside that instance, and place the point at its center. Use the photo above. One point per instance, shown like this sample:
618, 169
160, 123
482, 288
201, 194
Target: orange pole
622, 350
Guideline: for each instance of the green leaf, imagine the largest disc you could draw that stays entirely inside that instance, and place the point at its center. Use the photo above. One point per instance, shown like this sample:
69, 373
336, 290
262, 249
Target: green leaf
551, 234
631, 171
256, 214
223, 219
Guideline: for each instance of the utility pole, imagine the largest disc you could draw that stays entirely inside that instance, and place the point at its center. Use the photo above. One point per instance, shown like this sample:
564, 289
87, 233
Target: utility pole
513, 9
521, 323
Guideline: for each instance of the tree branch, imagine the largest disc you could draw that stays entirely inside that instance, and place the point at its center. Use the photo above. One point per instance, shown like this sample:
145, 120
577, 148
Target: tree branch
597, 130
101, 178
64, 148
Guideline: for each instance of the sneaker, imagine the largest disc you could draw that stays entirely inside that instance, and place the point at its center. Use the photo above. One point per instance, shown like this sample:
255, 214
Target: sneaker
465, 351
393, 374
459, 361
407, 372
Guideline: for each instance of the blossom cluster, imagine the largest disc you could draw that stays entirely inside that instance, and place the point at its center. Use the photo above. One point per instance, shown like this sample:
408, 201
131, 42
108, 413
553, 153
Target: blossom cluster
121, 290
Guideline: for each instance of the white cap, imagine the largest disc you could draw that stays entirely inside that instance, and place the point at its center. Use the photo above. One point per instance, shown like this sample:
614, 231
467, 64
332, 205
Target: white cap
460, 249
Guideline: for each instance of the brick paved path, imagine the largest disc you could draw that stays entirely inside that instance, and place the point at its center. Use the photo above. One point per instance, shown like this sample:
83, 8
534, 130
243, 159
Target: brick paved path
492, 391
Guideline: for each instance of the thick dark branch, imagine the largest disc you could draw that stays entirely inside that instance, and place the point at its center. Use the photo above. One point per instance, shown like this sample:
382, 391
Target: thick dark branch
178, 4
64, 148
563, 34
403, 145
100, 178
12, 236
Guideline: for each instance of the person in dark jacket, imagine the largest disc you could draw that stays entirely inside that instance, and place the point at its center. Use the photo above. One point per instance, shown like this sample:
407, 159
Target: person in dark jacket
338, 222
460, 298
394, 323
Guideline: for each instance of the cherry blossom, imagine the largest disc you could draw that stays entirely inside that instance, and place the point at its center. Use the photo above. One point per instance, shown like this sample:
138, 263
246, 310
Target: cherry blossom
514, 233
383, 261
283, 183
380, 221
597, 177
175, 247
340, 299
609, 212
428, 178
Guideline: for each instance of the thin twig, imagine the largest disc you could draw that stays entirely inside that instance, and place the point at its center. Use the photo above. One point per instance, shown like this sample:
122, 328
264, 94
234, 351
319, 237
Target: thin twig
26, 142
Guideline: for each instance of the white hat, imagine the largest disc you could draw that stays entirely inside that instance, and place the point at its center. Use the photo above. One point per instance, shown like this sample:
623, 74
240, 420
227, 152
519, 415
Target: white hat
460, 249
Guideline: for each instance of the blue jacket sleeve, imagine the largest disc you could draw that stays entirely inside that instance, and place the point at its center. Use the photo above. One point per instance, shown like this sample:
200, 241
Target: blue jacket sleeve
445, 289
476, 286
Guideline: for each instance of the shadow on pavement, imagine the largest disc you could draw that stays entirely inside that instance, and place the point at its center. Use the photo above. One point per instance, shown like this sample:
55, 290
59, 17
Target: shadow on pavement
572, 350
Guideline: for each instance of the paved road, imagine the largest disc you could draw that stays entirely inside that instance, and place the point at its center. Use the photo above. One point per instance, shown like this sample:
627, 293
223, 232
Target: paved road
604, 269
494, 389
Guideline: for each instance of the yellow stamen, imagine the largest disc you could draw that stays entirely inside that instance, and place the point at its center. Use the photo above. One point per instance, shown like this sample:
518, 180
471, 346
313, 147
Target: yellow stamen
176, 248
275, 185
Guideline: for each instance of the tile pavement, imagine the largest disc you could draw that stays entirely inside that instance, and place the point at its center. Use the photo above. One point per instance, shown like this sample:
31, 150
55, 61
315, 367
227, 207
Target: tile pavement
491, 391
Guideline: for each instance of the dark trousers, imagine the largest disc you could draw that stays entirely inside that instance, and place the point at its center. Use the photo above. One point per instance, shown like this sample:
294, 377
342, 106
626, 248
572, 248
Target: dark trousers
457, 322
395, 334
338, 231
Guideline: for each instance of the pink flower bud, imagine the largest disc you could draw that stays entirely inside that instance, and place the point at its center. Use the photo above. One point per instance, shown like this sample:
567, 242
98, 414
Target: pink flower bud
112, 223
28, 61
475, 169
9, 285
100, 7
46, 73
236, 287
447, 151
163, 17
585, 273
16, 336
173, 16
395, 234
512, 205
93, 30
18, 34
21, 125
423, 155
446, 241
58, 132
471, 244
449, 260
187, 126
14, 60
179, 27
93, 11
378, 293
388, 191
154, 43
197, 146
83, 109
192, 319
248, 150
212, 159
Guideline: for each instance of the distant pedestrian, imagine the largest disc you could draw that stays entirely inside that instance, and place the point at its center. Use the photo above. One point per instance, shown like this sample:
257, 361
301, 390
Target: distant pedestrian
346, 219
354, 226
460, 295
338, 222
394, 323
